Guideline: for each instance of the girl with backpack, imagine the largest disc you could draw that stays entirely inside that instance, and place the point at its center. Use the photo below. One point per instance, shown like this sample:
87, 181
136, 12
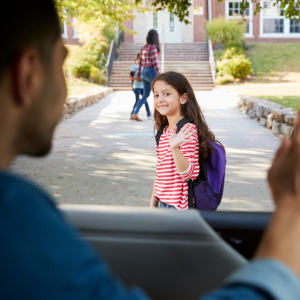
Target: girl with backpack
178, 153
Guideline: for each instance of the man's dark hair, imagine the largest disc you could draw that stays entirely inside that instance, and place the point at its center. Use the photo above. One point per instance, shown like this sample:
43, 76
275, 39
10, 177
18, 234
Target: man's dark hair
34, 23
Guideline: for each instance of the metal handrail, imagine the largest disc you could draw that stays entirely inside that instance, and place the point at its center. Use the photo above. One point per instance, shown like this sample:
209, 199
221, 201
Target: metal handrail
163, 57
211, 58
113, 55
212, 61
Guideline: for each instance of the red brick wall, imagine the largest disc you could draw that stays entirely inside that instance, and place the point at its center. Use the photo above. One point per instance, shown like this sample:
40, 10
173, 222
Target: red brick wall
199, 21
128, 37
218, 8
70, 32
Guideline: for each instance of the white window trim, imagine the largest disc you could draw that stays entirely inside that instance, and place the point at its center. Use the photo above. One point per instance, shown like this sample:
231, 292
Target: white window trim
247, 35
65, 34
286, 27
75, 35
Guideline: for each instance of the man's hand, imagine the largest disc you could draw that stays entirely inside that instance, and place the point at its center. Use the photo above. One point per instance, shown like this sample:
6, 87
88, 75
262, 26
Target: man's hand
183, 136
281, 240
284, 175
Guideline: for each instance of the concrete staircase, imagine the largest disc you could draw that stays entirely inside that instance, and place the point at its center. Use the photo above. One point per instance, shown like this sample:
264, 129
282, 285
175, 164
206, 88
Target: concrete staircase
189, 59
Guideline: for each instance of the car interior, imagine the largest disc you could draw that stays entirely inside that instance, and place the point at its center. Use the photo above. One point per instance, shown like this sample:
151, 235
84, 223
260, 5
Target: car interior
170, 254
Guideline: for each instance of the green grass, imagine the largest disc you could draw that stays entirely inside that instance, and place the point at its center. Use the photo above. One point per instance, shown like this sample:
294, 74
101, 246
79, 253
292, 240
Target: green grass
77, 86
288, 101
270, 58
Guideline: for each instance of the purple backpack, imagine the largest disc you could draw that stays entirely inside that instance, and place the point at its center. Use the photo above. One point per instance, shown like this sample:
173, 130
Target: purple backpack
207, 189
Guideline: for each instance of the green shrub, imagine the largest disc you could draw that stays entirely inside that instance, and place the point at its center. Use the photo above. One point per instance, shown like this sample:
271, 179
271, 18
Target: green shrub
82, 70
237, 45
95, 75
224, 79
222, 31
239, 67
231, 53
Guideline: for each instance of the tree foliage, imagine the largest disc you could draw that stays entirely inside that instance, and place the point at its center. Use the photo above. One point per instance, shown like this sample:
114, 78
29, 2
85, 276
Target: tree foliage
180, 7
98, 12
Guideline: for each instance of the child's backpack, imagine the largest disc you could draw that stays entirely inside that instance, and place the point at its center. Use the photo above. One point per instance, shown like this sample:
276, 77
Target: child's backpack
207, 189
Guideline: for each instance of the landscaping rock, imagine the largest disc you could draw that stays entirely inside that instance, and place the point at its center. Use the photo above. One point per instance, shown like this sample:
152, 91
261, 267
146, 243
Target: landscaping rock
270, 120
77, 103
267, 111
276, 127
282, 128
260, 109
253, 112
245, 109
263, 122
249, 112
289, 119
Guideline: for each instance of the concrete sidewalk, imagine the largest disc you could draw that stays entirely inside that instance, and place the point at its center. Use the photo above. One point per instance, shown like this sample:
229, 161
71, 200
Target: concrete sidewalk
100, 156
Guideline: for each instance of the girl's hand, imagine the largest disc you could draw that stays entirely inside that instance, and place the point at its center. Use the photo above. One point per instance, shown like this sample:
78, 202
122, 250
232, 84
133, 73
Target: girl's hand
138, 79
183, 136
132, 78
153, 202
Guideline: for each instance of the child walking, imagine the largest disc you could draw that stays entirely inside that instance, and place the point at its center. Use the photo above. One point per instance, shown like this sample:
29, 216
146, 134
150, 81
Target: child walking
138, 87
177, 154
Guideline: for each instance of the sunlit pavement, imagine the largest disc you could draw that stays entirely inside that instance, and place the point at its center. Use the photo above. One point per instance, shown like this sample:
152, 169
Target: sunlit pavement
100, 156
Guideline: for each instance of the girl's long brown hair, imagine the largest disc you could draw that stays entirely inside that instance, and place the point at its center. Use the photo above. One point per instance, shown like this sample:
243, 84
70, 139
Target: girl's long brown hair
190, 109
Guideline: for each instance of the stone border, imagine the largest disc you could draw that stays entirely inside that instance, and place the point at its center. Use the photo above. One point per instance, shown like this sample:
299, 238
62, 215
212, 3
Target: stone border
76, 103
279, 119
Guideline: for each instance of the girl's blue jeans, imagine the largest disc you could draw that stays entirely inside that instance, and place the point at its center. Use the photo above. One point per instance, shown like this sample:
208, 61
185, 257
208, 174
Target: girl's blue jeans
148, 75
137, 93
166, 206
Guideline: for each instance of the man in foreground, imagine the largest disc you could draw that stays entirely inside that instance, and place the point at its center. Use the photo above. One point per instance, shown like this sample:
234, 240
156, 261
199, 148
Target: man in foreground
41, 256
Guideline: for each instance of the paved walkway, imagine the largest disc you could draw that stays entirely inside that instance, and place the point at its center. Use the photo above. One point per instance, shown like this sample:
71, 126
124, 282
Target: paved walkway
100, 156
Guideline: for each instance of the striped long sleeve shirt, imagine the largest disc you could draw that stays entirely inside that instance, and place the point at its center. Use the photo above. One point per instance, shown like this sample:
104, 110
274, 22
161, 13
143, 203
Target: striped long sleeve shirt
170, 185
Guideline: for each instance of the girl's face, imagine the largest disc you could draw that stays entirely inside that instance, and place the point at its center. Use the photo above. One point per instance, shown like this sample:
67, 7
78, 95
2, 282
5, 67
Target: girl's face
167, 101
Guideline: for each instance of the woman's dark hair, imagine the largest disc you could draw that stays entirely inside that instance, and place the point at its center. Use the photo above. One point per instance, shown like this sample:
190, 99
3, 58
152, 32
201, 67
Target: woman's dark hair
190, 109
152, 39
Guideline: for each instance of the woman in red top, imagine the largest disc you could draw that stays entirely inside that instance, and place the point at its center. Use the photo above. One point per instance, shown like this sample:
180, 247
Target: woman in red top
149, 61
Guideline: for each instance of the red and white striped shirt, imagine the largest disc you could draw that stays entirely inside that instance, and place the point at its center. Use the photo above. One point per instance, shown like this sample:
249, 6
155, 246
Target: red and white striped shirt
148, 58
170, 185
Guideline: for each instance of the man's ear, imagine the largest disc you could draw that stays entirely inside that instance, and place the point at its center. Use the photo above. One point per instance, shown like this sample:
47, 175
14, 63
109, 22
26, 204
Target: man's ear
184, 98
27, 77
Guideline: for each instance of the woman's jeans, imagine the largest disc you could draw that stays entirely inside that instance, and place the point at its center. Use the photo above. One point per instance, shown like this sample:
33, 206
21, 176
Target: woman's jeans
137, 93
148, 75
166, 206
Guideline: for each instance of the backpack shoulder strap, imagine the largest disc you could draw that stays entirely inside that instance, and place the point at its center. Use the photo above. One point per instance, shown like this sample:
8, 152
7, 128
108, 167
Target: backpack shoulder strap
182, 122
159, 133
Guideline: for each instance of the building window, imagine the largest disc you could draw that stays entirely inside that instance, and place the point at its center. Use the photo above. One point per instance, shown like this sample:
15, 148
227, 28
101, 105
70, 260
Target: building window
294, 26
155, 20
274, 23
172, 22
273, 18
235, 11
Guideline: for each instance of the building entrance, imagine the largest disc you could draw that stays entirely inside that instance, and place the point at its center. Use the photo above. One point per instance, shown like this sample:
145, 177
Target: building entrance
167, 25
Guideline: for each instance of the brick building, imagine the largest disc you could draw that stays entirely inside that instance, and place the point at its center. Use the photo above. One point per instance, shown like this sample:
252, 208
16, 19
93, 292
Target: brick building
69, 33
267, 26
